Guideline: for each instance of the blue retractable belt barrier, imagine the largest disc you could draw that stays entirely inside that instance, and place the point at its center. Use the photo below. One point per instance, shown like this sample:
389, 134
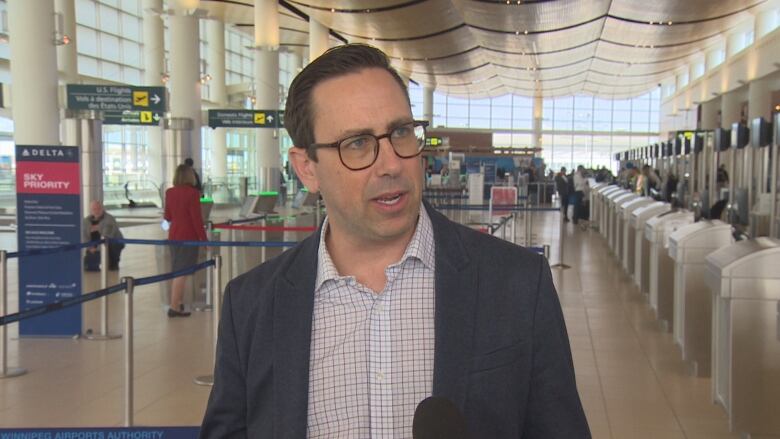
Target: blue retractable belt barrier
56, 306
209, 243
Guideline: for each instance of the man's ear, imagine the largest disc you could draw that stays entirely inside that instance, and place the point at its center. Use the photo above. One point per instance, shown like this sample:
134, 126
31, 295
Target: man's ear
304, 168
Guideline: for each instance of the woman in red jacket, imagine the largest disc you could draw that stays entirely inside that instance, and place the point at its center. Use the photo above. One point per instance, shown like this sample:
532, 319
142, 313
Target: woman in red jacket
182, 210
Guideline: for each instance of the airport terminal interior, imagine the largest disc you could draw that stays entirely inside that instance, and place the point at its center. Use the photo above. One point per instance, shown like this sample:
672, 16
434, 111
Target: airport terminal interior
662, 231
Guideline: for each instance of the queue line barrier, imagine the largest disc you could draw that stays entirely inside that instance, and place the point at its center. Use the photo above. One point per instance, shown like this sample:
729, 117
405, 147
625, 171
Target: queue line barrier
127, 284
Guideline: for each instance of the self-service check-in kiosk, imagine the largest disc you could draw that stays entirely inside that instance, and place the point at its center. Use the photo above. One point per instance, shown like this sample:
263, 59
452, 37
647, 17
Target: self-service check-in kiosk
609, 205
617, 221
603, 208
691, 328
661, 287
626, 250
744, 279
639, 218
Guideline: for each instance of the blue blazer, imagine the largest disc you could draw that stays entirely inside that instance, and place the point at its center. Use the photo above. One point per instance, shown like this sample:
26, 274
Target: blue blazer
501, 350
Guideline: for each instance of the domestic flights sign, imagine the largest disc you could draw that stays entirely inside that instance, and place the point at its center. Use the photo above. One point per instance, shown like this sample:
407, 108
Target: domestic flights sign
246, 118
116, 98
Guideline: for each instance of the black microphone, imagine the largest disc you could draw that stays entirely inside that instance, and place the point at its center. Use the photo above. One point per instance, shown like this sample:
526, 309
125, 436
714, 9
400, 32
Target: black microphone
438, 418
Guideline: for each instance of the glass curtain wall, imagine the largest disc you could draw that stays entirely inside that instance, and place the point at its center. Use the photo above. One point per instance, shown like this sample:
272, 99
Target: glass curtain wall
576, 130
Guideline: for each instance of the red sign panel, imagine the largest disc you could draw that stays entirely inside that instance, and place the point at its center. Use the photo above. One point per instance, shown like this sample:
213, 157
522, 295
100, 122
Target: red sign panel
47, 178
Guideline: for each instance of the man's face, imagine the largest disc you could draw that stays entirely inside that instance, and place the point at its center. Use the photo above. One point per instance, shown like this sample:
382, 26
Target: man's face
96, 209
374, 205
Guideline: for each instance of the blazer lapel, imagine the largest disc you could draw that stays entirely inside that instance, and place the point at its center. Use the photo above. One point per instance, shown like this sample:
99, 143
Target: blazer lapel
456, 292
293, 308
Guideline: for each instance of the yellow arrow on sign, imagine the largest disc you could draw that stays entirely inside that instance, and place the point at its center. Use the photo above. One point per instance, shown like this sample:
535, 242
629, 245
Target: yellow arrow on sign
141, 98
260, 118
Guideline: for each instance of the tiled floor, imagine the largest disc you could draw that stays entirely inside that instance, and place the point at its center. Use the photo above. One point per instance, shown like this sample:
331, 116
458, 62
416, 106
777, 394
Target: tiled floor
629, 372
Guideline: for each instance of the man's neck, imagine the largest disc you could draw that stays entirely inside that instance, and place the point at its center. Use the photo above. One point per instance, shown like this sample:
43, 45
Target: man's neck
365, 260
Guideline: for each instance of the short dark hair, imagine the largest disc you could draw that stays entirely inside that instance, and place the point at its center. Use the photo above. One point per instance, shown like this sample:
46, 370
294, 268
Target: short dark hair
338, 61
188, 161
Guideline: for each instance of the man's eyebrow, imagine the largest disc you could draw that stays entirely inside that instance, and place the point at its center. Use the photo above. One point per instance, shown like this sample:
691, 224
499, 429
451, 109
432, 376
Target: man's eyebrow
361, 131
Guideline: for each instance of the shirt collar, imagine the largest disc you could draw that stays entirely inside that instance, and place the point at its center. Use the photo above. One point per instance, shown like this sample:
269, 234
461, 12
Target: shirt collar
420, 247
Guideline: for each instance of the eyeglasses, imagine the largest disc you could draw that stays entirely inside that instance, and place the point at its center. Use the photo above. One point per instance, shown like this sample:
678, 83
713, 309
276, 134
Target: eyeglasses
361, 151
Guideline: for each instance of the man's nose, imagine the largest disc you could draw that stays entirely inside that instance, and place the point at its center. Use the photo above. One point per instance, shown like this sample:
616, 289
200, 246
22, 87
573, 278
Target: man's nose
387, 161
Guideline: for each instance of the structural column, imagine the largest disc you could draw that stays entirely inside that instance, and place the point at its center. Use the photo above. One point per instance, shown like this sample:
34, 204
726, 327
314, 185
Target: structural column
33, 73
759, 99
318, 39
536, 142
709, 114
729, 109
185, 86
215, 60
267, 91
67, 56
428, 104
154, 68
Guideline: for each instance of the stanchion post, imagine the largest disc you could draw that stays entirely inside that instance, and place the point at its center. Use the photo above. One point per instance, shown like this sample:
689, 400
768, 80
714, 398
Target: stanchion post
231, 254
209, 255
208, 380
561, 237
263, 239
104, 334
129, 287
317, 213
5, 371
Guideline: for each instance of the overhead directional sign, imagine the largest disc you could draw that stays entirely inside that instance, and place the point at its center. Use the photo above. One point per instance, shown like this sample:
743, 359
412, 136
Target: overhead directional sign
116, 98
434, 142
246, 118
132, 117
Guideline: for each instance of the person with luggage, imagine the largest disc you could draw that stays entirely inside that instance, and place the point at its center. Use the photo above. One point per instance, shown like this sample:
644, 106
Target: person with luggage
97, 225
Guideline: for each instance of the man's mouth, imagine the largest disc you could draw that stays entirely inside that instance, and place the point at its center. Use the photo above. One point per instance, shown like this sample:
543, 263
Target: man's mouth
389, 199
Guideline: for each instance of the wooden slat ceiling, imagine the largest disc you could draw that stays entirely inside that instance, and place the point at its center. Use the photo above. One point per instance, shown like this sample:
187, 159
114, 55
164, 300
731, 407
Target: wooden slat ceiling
481, 48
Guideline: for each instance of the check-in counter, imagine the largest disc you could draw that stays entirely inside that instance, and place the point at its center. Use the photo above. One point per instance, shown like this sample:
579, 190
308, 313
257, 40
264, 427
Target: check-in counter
594, 201
661, 287
602, 207
745, 282
692, 325
626, 250
617, 222
610, 212
639, 218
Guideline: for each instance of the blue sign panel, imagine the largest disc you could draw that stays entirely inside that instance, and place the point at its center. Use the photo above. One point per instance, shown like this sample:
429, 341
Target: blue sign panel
48, 209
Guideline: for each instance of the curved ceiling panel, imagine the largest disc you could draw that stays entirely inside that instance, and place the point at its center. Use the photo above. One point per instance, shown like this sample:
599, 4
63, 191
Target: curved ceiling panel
533, 17
480, 48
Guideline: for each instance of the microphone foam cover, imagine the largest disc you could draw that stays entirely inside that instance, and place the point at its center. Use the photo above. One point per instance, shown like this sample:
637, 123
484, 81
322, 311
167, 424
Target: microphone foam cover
438, 418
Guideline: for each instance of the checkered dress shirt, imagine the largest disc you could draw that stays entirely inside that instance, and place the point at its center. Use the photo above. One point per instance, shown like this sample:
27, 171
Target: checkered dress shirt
372, 354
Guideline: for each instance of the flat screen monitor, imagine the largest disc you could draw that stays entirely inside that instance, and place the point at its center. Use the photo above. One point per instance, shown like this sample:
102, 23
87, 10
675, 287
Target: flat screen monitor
739, 135
760, 132
305, 198
776, 125
248, 208
266, 201
698, 142
678, 145
722, 139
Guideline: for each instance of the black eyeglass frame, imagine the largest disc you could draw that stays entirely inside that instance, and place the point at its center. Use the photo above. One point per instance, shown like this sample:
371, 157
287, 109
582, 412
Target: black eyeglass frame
415, 123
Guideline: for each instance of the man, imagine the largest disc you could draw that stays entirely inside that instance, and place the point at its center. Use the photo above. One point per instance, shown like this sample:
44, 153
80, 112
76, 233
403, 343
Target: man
389, 302
101, 224
562, 186
650, 181
579, 193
